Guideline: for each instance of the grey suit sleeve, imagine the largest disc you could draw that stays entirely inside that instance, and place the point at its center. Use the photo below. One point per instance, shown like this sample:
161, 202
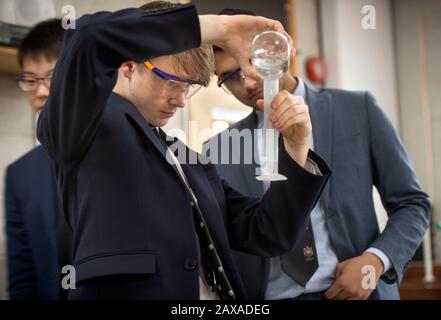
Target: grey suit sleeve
408, 207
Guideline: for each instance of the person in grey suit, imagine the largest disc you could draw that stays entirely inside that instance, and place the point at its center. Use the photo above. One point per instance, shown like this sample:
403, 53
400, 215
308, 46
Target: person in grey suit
353, 135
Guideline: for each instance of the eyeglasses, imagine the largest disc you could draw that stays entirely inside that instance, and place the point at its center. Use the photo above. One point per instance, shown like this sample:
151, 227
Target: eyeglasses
231, 79
175, 85
29, 83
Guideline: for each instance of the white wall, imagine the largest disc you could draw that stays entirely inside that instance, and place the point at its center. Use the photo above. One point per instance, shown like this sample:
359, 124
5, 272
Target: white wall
418, 25
361, 59
307, 37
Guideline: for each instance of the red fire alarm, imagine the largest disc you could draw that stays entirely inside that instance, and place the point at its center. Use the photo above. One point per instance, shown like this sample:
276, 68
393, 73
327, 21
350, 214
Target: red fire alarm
317, 70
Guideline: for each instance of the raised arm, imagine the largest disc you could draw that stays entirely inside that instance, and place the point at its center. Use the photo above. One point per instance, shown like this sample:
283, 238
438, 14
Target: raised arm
87, 69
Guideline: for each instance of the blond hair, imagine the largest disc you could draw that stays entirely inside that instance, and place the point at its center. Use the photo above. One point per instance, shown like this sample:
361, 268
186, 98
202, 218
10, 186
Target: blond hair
196, 63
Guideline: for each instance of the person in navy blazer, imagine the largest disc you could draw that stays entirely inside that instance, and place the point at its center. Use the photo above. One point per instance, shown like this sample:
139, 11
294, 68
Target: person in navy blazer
134, 233
353, 135
31, 226
31, 197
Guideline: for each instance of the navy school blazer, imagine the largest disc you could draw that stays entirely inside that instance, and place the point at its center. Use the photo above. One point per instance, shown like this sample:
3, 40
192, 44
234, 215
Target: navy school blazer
134, 235
31, 204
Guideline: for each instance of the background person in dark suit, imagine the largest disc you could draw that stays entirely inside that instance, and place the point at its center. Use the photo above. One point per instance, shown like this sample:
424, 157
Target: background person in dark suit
137, 228
355, 137
31, 200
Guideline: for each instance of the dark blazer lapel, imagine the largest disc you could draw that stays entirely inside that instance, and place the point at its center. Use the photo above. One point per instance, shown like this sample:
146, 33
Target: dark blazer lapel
130, 110
320, 110
199, 180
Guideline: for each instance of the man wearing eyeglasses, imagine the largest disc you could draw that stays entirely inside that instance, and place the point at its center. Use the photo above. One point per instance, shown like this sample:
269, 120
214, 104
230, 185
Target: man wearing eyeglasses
147, 226
31, 200
342, 250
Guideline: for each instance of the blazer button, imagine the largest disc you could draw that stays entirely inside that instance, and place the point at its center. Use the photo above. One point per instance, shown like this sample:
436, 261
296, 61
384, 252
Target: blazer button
190, 264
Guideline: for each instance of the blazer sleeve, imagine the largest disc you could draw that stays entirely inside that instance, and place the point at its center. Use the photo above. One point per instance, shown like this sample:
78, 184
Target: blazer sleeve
22, 280
272, 226
408, 207
86, 70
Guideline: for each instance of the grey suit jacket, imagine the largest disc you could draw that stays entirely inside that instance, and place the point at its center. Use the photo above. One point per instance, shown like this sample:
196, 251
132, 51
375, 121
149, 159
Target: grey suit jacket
354, 136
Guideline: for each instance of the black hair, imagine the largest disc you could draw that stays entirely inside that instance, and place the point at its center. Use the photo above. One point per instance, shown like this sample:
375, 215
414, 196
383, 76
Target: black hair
158, 6
232, 12
43, 40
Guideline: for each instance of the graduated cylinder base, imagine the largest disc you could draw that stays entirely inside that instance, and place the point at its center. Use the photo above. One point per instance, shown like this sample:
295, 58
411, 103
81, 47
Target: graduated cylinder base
270, 136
